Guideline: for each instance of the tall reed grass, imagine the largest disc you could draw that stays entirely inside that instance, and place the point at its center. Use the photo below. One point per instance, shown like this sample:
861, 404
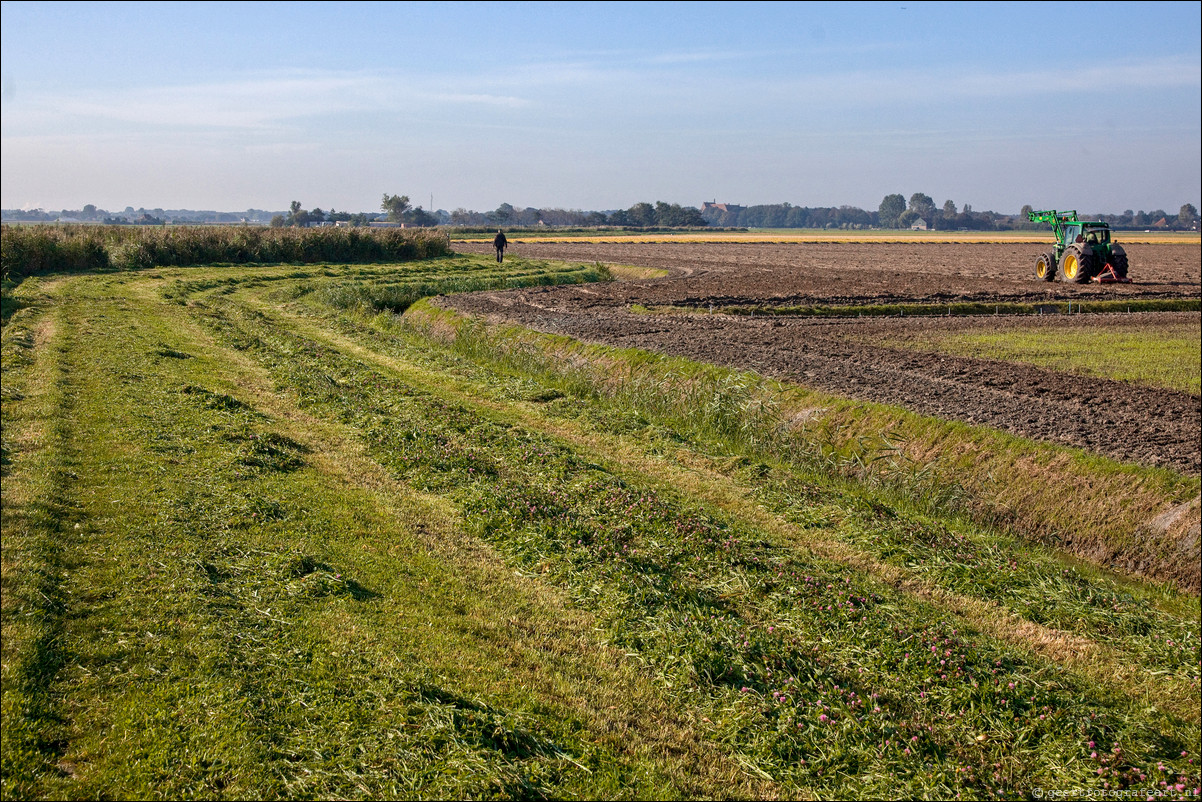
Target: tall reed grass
27, 250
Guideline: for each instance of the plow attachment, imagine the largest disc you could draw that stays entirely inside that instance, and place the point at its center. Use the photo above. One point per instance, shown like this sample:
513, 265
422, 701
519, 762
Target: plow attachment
1108, 275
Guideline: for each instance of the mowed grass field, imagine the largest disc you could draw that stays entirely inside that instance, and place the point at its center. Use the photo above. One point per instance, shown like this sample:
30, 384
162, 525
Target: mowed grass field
290, 531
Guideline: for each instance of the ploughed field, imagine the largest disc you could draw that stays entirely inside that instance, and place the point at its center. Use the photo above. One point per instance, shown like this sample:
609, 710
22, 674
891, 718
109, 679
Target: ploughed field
878, 358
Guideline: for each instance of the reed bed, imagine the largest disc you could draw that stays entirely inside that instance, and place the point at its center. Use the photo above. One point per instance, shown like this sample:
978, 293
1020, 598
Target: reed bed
30, 250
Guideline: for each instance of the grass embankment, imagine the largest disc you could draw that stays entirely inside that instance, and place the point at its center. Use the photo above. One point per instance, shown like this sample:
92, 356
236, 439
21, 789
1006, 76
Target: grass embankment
994, 477
260, 542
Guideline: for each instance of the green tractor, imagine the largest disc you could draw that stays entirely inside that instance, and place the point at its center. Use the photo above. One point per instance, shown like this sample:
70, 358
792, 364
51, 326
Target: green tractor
1083, 252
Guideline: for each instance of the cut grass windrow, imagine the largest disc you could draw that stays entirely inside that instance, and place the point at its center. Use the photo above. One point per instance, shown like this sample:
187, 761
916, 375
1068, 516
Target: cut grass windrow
960, 560
250, 626
433, 456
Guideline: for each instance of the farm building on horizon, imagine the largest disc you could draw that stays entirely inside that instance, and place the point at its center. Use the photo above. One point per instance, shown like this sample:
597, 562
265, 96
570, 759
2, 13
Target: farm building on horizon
719, 207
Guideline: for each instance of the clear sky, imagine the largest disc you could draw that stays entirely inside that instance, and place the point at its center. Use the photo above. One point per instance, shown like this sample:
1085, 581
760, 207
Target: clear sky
1094, 106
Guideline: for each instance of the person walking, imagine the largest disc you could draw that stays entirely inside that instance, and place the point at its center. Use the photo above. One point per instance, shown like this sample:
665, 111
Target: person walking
499, 242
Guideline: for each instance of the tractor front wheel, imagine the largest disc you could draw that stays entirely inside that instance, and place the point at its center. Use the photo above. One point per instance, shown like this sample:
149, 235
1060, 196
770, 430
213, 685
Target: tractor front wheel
1045, 267
1076, 265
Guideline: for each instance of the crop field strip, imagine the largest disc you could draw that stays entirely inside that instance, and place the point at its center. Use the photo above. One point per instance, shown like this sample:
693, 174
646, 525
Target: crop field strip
282, 562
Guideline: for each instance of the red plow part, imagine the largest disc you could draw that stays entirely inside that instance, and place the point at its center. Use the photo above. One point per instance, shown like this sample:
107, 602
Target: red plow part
1109, 276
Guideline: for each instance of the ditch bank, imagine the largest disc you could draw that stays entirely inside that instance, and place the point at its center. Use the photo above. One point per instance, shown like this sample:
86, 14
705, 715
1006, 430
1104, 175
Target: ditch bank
1134, 519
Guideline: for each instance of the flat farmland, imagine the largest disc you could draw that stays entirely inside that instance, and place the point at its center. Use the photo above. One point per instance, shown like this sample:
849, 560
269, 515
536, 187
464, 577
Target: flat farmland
297, 531
726, 273
874, 358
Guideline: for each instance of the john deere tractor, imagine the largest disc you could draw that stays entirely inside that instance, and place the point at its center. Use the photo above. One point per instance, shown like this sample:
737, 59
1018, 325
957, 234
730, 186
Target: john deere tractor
1083, 251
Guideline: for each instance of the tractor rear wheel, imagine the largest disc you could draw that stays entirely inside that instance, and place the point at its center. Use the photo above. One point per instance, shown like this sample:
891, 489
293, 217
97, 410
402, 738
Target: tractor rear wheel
1076, 265
1118, 258
1045, 267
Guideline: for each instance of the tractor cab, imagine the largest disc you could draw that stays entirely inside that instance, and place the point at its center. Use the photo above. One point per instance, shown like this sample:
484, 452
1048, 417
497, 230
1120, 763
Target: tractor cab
1096, 233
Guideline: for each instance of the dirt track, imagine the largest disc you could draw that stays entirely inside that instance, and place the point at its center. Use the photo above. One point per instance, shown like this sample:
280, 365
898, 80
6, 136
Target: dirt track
1124, 421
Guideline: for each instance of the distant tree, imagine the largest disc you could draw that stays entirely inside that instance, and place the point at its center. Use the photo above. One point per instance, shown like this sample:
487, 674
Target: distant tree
907, 218
1188, 215
673, 215
1026, 210
297, 216
395, 206
641, 214
88, 212
891, 208
852, 217
502, 215
420, 217
466, 217
278, 221
922, 205
949, 208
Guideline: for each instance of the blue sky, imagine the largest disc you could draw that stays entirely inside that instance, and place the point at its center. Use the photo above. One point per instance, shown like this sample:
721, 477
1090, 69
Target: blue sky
598, 106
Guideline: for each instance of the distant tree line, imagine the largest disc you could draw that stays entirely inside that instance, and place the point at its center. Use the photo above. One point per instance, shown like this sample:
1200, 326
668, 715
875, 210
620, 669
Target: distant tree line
920, 210
894, 212
640, 215
299, 217
131, 216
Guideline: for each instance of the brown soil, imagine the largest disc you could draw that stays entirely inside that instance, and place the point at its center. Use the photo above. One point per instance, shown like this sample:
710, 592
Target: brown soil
845, 356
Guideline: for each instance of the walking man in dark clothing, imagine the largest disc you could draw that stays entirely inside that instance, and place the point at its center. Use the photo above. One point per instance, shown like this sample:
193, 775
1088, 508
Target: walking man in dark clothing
499, 242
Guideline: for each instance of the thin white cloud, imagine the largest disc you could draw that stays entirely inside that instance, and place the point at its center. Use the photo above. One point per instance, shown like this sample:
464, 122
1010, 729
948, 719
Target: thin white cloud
911, 85
253, 103
580, 88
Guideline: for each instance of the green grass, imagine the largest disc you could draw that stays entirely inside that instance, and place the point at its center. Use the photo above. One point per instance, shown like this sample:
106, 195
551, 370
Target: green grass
962, 308
941, 465
1156, 356
264, 538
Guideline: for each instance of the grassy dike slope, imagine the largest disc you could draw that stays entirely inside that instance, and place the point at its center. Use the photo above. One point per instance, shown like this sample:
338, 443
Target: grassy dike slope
262, 537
